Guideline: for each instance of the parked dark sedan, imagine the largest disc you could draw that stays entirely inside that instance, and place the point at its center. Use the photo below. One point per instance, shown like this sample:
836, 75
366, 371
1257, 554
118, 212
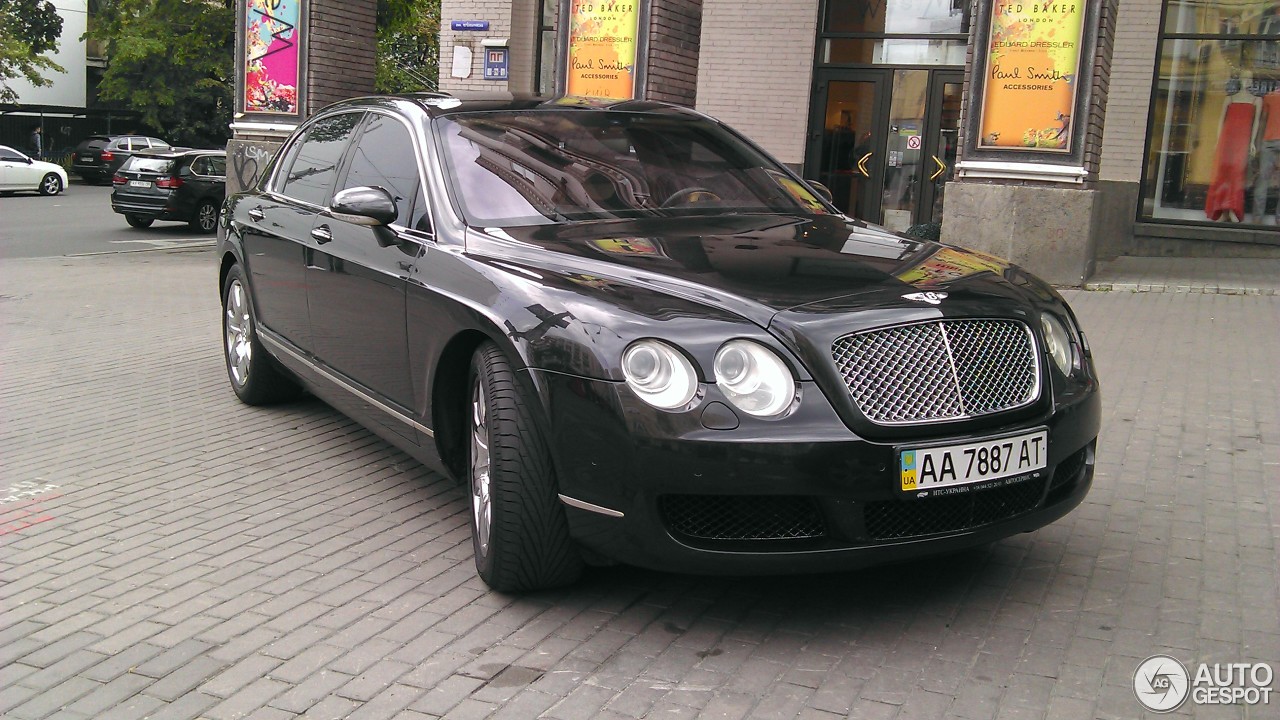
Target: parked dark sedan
183, 185
97, 157
639, 338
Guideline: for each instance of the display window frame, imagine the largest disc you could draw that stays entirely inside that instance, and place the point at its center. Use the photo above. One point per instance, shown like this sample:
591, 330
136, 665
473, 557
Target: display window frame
1250, 228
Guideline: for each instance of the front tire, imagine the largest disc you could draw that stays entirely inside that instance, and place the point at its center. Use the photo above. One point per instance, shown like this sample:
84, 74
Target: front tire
206, 218
519, 532
51, 184
254, 376
138, 221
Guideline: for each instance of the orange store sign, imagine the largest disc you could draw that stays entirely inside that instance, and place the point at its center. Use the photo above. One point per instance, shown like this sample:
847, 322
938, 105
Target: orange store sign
602, 49
1032, 75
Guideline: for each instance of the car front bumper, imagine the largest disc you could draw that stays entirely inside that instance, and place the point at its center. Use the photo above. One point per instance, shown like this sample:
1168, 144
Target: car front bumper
803, 494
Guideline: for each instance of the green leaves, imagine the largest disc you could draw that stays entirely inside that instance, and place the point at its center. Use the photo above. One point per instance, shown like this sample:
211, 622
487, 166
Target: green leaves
28, 30
172, 61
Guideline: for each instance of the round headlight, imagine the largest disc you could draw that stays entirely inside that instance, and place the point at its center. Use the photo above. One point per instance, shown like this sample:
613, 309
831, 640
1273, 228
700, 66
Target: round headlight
1057, 342
659, 374
754, 378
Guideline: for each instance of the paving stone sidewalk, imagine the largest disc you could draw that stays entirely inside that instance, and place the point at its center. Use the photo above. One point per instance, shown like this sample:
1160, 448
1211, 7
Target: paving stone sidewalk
167, 552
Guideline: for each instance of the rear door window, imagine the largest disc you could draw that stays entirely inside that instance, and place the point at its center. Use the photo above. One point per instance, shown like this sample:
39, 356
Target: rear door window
311, 174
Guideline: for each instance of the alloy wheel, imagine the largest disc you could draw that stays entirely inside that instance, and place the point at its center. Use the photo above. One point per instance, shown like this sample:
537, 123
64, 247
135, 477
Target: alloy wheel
481, 501
208, 217
238, 326
51, 185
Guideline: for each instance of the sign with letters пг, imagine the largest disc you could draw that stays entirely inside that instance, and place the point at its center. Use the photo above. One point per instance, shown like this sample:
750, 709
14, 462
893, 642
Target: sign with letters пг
1032, 75
603, 48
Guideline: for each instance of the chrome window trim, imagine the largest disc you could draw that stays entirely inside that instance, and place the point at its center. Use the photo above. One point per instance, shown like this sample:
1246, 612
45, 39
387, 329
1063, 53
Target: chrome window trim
278, 345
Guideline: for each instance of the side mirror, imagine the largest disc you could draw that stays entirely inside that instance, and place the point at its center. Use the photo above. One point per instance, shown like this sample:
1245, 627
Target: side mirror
371, 206
821, 189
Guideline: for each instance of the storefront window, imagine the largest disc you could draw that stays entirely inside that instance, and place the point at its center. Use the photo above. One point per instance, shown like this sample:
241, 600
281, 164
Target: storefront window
1213, 152
909, 17
894, 51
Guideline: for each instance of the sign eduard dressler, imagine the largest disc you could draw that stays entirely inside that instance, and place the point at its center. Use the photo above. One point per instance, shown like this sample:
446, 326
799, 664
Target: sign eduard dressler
602, 49
1033, 61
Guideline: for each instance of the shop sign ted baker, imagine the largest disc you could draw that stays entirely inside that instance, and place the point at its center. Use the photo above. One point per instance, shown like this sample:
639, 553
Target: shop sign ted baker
1032, 72
1162, 684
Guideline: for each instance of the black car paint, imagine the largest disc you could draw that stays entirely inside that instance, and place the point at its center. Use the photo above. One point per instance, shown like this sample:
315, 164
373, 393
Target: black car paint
380, 322
88, 162
180, 204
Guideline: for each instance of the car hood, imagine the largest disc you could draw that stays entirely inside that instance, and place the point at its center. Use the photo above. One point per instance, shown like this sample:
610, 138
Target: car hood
47, 167
760, 266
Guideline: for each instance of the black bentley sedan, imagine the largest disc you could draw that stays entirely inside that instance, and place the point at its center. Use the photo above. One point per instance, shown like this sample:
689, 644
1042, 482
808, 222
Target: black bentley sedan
636, 337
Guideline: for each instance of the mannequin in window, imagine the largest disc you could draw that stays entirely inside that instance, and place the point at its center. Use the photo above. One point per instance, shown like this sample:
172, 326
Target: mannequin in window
1268, 154
1225, 199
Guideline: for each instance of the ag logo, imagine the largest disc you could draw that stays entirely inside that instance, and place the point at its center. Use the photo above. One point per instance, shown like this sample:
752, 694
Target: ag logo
933, 298
1161, 683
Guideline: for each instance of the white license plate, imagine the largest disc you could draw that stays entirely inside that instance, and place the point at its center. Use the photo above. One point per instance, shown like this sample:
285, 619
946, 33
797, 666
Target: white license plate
929, 469
86, 158
139, 183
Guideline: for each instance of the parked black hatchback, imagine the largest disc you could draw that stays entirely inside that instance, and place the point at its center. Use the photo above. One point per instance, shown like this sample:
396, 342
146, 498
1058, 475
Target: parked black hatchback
183, 185
637, 337
97, 157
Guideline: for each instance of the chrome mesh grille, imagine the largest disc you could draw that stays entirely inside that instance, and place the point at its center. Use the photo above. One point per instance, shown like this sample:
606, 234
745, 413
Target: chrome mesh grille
938, 371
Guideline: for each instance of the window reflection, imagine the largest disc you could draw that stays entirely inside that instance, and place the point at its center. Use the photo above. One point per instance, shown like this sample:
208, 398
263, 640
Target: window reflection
1214, 150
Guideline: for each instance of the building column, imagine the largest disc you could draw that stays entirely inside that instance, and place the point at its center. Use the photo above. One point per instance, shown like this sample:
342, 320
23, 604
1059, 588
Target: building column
1040, 208
312, 53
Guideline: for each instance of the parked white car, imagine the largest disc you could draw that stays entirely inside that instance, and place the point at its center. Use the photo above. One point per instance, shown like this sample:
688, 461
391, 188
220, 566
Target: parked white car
18, 171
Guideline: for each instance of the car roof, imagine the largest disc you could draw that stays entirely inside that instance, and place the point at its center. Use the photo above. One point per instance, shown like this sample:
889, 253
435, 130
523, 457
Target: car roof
443, 104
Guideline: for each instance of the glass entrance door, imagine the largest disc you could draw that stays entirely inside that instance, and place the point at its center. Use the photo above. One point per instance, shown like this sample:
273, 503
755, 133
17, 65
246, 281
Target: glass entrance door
846, 146
886, 142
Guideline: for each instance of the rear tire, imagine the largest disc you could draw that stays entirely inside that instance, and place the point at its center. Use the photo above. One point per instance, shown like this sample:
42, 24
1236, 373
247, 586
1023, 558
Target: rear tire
138, 221
51, 184
206, 218
519, 532
253, 373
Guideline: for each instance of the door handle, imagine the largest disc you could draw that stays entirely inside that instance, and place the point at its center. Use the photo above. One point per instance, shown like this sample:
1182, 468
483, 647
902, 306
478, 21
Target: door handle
941, 168
322, 234
862, 165
256, 214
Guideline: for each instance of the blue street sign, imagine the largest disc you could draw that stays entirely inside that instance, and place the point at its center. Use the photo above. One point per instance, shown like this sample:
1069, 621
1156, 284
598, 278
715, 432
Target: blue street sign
469, 24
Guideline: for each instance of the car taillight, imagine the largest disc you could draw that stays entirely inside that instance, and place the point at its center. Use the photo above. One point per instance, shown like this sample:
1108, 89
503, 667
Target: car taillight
108, 156
169, 183
118, 180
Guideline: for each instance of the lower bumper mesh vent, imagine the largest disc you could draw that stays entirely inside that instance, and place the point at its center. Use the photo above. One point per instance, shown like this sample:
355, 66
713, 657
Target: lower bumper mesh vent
742, 517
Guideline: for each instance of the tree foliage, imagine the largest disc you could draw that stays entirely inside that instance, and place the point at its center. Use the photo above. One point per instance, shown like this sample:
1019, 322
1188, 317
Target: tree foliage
408, 45
28, 30
172, 61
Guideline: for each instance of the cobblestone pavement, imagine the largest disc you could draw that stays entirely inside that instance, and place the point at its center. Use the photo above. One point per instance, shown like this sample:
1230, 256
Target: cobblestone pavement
167, 552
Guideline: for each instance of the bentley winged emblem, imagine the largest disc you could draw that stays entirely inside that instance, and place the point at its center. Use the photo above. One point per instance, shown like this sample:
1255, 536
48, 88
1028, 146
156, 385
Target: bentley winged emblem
933, 298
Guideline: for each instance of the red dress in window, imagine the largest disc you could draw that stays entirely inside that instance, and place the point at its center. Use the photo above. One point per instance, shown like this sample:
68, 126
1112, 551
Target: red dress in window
1226, 192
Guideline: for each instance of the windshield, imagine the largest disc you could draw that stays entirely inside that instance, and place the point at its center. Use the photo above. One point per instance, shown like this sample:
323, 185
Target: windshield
523, 168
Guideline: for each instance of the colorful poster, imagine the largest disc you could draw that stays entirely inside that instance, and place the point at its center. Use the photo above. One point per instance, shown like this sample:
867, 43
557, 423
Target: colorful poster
1033, 61
602, 49
272, 56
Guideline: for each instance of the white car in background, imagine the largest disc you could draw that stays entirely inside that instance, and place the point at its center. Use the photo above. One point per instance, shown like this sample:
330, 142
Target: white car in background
18, 171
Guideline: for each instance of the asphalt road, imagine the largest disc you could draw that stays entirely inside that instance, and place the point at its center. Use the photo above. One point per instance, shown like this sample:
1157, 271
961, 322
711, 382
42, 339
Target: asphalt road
80, 222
